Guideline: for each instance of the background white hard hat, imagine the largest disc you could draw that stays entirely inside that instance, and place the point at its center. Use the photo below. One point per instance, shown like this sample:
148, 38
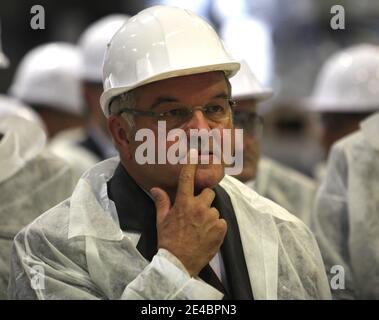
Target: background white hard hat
21, 141
93, 43
246, 86
4, 62
22, 136
12, 107
158, 43
49, 76
348, 82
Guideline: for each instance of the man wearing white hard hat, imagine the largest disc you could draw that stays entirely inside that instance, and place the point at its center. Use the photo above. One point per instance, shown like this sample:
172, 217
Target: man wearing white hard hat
345, 219
48, 80
345, 93
93, 43
161, 230
283, 185
93, 143
32, 180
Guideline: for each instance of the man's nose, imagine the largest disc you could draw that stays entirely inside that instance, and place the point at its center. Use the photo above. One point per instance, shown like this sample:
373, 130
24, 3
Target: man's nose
198, 121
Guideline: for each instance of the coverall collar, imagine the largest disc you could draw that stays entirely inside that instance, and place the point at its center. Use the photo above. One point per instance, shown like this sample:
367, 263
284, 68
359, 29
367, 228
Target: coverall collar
370, 129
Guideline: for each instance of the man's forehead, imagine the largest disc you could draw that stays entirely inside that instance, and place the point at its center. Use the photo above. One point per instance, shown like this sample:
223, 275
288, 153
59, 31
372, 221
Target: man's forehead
202, 83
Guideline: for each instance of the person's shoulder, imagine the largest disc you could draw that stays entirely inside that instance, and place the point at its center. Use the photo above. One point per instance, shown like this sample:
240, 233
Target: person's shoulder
284, 173
248, 199
349, 142
351, 150
53, 221
68, 147
62, 220
46, 231
46, 239
50, 162
249, 202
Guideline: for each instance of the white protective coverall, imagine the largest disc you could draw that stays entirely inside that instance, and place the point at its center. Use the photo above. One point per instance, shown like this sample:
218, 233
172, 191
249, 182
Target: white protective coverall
66, 145
85, 255
31, 181
346, 216
285, 186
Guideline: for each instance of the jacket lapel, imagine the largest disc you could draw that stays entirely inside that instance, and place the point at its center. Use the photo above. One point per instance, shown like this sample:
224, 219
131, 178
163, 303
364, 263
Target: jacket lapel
232, 251
136, 211
260, 241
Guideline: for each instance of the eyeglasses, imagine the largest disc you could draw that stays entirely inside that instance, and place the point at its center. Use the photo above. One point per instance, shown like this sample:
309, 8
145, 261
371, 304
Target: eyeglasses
251, 122
176, 115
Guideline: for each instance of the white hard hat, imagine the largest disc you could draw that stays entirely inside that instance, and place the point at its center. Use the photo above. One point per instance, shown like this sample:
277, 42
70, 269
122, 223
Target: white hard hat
348, 82
246, 86
21, 141
4, 62
49, 76
12, 107
158, 43
93, 43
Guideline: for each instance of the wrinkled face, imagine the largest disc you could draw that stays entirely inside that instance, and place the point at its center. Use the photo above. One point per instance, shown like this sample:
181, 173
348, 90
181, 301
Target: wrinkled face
193, 91
251, 143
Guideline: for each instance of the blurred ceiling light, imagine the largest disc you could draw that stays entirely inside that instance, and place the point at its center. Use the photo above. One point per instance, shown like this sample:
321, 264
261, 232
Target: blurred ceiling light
226, 9
198, 6
4, 62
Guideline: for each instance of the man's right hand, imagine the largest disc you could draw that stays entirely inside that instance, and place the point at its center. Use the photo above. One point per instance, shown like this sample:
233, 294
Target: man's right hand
190, 229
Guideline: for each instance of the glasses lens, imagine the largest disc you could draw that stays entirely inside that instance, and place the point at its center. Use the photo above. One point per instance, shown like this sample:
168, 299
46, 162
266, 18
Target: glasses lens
217, 112
175, 116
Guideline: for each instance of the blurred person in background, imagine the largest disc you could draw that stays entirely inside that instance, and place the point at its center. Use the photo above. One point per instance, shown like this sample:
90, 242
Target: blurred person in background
4, 62
94, 143
283, 185
345, 93
93, 44
346, 216
47, 79
32, 180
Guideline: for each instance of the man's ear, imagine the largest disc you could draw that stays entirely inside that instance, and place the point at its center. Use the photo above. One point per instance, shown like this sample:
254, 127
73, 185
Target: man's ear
117, 129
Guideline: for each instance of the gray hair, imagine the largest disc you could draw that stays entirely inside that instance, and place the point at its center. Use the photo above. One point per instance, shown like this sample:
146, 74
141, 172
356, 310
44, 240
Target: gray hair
128, 100
124, 100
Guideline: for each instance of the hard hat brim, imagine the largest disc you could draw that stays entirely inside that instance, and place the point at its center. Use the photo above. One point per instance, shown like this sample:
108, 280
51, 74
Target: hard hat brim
313, 106
259, 96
